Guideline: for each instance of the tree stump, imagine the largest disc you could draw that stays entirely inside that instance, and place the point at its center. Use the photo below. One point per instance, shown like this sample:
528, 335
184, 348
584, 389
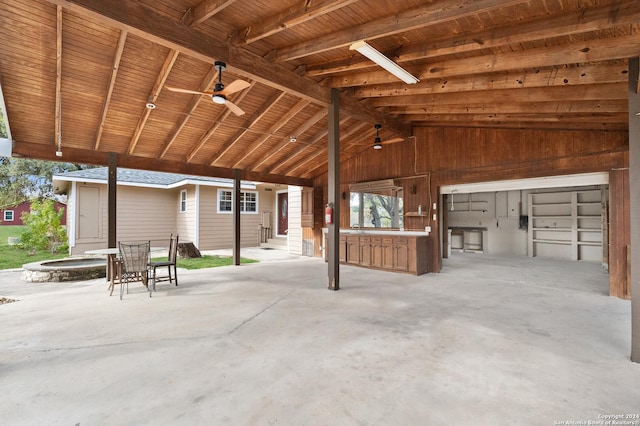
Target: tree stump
188, 249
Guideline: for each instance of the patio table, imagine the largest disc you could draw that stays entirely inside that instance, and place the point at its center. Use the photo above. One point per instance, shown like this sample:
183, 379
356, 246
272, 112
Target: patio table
111, 254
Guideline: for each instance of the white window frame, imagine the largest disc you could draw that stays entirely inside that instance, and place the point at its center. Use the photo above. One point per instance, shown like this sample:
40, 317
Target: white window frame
183, 201
228, 198
13, 216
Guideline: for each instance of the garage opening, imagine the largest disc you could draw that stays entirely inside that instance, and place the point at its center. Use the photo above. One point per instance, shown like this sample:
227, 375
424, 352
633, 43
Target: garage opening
563, 217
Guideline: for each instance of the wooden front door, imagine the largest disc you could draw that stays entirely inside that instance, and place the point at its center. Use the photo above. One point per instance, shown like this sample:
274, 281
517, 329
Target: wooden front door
283, 213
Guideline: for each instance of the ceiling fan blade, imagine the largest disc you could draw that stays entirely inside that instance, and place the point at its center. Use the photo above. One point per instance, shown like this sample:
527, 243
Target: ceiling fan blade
234, 108
234, 86
193, 92
390, 141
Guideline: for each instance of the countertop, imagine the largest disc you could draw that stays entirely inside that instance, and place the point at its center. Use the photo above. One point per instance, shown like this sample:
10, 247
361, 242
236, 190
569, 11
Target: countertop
380, 232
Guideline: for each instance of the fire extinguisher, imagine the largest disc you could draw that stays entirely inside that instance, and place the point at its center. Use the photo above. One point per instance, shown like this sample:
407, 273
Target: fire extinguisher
328, 214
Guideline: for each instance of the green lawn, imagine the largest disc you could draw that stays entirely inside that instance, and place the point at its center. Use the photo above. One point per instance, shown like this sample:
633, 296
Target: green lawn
13, 257
207, 261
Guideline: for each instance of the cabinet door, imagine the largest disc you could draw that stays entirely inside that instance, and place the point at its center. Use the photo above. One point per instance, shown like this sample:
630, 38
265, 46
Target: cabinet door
365, 251
376, 252
353, 250
342, 249
401, 258
387, 253
306, 213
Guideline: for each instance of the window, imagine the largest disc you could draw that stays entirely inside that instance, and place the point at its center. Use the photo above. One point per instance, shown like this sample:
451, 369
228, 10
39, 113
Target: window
183, 201
248, 201
381, 210
8, 215
225, 201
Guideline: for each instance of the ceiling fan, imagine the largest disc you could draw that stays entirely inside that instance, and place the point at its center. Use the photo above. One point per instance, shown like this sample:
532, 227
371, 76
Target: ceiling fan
378, 142
220, 92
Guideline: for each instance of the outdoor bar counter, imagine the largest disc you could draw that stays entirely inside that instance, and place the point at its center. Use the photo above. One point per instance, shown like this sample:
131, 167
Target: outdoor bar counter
389, 250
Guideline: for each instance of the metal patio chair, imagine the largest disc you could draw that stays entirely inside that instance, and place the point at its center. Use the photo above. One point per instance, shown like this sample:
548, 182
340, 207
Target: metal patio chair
134, 264
170, 264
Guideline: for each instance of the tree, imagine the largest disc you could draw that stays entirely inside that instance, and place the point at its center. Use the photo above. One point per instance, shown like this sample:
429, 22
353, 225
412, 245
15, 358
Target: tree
25, 179
43, 229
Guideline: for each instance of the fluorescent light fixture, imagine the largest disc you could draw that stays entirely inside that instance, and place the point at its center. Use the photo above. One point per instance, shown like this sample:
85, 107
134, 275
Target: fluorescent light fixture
383, 61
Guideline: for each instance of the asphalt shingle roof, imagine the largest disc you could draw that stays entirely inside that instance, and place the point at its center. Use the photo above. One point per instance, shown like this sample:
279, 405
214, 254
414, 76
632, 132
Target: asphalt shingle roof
143, 177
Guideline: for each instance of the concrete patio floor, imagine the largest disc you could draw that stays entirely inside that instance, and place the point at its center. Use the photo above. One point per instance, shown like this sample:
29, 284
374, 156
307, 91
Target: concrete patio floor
489, 341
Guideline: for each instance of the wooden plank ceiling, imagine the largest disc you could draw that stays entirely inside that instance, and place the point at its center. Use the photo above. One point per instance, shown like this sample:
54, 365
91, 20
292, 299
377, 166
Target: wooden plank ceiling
79, 73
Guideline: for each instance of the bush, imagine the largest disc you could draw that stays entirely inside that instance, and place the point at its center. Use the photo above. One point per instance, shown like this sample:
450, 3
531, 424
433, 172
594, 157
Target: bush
43, 229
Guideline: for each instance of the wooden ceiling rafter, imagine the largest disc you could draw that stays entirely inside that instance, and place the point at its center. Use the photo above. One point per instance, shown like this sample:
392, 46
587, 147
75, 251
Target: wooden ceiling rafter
117, 57
161, 78
141, 20
305, 146
607, 91
205, 10
302, 12
406, 20
559, 76
247, 126
293, 111
58, 96
562, 107
581, 52
206, 83
568, 24
216, 124
322, 113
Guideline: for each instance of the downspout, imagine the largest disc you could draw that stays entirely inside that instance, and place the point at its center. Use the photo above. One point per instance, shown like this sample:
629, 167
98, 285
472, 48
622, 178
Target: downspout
196, 212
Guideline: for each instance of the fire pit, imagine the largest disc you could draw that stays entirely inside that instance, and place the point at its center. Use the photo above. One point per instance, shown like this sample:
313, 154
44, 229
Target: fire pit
69, 269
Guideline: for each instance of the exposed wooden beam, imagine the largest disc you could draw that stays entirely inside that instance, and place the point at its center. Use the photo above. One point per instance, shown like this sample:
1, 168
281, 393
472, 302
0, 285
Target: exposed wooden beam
567, 107
249, 123
169, 61
293, 111
216, 124
286, 141
316, 138
406, 20
525, 125
302, 12
89, 156
206, 83
143, 21
112, 82
343, 137
58, 106
568, 24
518, 79
531, 118
596, 92
582, 52
205, 10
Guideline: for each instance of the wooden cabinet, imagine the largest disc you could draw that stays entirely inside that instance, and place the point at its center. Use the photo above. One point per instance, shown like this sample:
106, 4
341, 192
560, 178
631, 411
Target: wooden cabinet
376, 252
306, 212
342, 249
365, 251
353, 249
389, 252
401, 254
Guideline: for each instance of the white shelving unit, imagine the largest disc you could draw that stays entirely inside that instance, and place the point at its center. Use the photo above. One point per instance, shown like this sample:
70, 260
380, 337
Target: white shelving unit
566, 225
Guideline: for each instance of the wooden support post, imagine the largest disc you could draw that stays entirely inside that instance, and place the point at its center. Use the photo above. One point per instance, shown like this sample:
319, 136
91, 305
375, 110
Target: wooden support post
634, 203
236, 218
334, 190
445, 226
112, 183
